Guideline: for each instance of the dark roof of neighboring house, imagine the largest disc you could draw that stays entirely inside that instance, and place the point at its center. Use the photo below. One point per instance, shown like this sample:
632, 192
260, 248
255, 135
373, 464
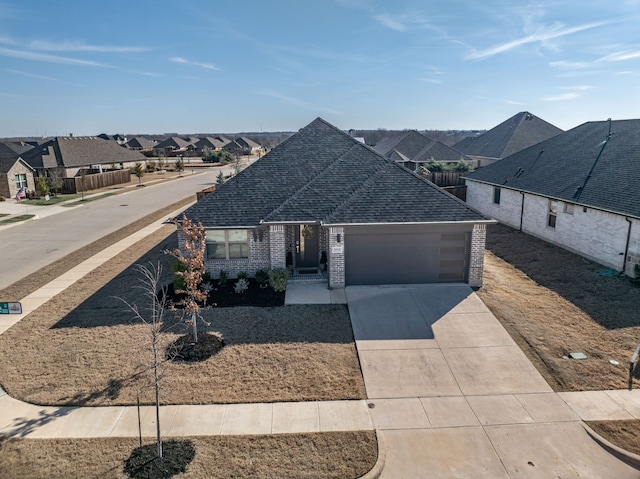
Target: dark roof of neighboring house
578, 166
210, 142
323, 174
174, 142
517, 133
79, 151
140, 142
7, 163
416, 147
13, 149
246, 142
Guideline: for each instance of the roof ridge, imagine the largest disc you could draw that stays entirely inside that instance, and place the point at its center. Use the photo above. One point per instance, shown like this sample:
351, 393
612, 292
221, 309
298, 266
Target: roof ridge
307, 185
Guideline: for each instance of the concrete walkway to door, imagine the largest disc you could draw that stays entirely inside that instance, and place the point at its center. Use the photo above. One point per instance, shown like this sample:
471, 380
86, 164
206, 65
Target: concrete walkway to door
453, 396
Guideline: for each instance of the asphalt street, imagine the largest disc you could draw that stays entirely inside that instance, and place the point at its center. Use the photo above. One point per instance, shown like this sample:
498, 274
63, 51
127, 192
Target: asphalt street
29, 246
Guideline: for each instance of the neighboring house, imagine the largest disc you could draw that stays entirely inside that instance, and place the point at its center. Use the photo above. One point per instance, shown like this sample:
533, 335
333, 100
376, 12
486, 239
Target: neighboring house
242, 146
413, 149
322, 191
517, 133
210, 143
174, 146
15, 173
140, 143
70, 154
249, 146
578, 190
119, 139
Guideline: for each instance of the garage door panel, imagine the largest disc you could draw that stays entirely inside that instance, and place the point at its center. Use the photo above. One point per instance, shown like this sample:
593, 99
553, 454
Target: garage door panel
405, 258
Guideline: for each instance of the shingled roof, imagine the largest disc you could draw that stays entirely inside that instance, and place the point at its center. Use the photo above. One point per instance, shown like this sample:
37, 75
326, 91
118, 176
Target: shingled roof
139, 142
596, 164
414, 146
515, 134
321, 174
13, 149
79, 151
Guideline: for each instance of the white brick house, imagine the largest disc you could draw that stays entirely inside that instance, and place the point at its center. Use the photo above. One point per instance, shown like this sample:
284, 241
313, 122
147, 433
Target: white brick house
577, 190
322, 193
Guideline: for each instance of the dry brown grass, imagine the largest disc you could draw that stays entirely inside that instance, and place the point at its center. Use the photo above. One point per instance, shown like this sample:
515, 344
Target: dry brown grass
80, 348
554, 302
339, 455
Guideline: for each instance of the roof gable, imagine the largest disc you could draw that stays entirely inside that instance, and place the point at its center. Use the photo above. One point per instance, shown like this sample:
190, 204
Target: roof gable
515, 134
585, 165
321, 174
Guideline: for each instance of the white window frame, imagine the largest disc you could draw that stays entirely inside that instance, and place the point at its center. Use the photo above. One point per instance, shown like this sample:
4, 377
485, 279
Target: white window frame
552, 214
21, 180
228, 244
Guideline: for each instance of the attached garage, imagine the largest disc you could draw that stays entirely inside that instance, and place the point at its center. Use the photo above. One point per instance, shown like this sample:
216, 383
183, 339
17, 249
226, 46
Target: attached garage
406, 254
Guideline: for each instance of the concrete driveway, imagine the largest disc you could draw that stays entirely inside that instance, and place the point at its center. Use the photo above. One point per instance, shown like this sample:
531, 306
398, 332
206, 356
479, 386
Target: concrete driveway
453, 396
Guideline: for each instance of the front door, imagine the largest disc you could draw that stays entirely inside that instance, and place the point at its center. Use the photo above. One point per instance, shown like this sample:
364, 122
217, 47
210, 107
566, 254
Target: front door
307, 246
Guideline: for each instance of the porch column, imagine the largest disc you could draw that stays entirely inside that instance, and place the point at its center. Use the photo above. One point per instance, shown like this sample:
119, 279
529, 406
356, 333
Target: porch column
336, 258
476, 266
277, 251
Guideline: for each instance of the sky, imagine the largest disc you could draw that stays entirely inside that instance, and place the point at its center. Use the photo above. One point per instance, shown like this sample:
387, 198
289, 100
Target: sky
195, 66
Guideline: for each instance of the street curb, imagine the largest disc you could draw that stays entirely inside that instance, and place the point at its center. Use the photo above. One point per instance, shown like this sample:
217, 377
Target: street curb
377, 469
625, 456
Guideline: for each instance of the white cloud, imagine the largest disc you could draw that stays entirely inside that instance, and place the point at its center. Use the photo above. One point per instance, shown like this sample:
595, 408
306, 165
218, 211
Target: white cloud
541, 36
621, 56
563, 97
566, 65
183, 61
32, 75
386, 20
80, 47
43, 57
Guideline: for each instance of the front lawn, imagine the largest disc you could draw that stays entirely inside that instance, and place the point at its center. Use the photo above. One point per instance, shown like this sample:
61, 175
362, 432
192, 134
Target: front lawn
81, 348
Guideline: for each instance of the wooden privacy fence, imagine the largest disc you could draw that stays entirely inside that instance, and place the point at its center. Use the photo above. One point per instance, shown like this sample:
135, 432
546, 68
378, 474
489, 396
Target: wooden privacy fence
95, 181
446, 178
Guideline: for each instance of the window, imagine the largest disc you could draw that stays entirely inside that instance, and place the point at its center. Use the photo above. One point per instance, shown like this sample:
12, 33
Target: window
227, 244
496, 195
553, 212
21, 181
568, 208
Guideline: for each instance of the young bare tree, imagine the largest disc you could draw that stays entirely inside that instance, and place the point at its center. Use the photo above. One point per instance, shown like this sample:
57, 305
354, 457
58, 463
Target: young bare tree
55, 179
151, 316
190, 256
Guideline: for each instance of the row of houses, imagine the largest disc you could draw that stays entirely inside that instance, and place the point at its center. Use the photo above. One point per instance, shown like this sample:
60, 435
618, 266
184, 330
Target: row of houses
67, 156
194, 146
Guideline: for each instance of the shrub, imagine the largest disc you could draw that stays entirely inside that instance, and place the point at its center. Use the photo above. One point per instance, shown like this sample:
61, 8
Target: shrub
243, 275
2, 198
41, 185
206, 277
262, 276
178, 281
278, 279
151, 166
241, 286
223, 278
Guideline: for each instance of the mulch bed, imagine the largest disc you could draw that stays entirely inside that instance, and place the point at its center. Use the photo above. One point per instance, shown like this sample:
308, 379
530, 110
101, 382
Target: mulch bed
224, 296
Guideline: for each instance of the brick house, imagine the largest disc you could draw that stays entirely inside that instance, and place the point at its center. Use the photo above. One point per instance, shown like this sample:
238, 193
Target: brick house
322, 193
577, 190
15, 173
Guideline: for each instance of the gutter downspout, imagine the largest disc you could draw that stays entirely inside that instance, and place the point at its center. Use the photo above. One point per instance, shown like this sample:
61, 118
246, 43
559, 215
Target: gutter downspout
626, 248
521, 211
